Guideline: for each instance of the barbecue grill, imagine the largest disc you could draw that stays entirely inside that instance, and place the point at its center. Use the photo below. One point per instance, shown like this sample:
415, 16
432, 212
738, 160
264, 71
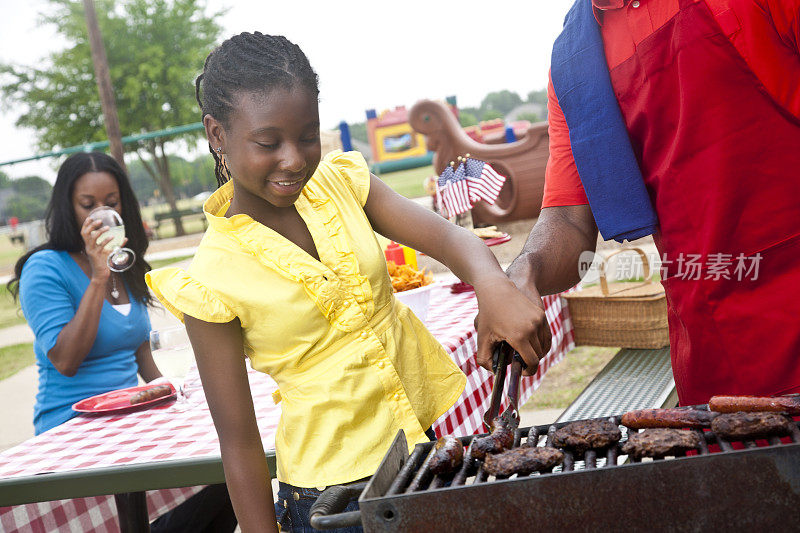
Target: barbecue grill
744, 486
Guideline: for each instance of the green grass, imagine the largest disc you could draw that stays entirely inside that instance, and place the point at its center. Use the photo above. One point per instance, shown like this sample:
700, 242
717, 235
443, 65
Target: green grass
9, 253
10, 315
409, 183
565, 381
14, 358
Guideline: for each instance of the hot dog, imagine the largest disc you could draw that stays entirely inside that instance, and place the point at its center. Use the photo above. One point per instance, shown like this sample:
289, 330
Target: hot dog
448, 455
151, 394
501, 438
731, 404
668, 418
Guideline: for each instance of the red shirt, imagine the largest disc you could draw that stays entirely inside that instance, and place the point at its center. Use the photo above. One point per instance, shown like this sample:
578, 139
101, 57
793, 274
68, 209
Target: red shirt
765, 32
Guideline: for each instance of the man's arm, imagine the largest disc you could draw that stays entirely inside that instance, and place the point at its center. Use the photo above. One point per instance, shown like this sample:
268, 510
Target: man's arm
548, 263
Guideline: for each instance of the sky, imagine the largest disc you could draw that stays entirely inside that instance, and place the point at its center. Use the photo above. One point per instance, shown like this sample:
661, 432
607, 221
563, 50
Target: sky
368, 54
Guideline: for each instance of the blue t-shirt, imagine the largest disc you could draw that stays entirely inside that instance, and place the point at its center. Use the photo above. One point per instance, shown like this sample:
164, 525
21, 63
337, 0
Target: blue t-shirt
51, 287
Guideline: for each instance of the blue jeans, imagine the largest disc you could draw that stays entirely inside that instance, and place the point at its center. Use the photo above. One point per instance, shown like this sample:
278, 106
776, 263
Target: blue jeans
292, 514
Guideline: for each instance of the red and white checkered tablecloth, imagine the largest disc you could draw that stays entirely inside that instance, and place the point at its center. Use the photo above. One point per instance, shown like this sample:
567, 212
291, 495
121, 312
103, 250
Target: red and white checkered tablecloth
164, 433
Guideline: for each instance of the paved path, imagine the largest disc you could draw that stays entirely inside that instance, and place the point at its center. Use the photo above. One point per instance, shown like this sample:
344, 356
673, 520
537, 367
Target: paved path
15, 335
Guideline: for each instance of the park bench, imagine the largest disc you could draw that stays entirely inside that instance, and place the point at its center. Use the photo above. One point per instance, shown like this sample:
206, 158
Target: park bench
633, 379
179, 214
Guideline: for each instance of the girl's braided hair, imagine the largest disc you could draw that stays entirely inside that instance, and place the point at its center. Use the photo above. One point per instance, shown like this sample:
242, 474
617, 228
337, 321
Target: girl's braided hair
249, 62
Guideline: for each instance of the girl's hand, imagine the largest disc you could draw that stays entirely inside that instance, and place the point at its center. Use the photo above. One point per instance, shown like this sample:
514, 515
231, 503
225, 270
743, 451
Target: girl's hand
505, 314
96, 253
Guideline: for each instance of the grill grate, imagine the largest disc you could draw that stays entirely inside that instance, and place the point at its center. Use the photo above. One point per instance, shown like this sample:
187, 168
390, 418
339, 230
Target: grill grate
415, 475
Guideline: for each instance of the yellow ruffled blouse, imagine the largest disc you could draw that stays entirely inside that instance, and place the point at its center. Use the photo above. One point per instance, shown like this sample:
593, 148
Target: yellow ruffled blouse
353, 365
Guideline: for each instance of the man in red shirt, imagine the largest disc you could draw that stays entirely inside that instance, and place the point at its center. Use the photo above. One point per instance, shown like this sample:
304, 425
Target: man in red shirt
709, 92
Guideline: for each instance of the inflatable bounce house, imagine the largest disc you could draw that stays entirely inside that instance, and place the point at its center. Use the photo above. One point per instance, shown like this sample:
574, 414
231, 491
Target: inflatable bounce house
395, 145
391, 136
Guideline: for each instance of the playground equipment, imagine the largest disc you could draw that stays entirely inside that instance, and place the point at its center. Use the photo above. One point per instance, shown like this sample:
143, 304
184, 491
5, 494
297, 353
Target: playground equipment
522, 162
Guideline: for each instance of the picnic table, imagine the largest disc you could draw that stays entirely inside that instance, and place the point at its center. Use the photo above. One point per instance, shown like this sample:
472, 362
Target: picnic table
64, 479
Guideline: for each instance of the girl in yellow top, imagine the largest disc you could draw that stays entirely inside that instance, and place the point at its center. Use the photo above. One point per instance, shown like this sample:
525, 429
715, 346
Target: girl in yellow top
290, 273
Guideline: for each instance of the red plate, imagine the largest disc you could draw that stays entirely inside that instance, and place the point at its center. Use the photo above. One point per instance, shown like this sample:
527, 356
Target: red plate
497, 240
118, 400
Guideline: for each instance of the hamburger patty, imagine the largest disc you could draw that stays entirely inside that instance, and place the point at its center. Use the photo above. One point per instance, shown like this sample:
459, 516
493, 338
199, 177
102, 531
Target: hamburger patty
659, 442
737, 426
587, 435
522, 460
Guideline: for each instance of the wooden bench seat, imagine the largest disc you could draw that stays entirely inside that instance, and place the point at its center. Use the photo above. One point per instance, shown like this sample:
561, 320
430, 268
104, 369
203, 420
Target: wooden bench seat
179, 214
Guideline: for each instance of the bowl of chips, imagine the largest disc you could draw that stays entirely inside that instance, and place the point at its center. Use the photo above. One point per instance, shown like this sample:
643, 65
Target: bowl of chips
412, 287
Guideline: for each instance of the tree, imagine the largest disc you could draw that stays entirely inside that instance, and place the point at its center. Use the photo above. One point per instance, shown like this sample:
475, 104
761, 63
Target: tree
530, 117
491, 114
538, 97
155, 49
33, 186
358, 131
467, 119
500, 102
29, 199
25, 208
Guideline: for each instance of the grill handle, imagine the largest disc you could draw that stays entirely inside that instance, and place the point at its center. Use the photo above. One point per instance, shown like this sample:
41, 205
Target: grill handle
326, 513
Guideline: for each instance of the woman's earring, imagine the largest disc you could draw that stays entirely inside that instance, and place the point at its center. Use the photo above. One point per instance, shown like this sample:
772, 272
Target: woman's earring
219, 149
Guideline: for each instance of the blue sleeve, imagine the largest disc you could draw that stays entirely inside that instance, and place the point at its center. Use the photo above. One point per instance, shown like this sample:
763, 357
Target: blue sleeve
45, 298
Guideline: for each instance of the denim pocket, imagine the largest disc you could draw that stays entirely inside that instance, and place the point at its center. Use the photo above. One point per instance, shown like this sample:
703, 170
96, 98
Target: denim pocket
283, 516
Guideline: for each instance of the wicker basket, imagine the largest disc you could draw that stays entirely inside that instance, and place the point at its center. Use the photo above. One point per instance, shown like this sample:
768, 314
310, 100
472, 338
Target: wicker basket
627, 315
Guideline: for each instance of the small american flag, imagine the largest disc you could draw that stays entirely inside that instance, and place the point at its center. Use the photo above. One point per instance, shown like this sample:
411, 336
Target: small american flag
443, 189
460, 190
484, 181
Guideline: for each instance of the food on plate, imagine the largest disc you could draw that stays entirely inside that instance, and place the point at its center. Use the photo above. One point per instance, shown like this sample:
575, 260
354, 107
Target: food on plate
732, 404
489, 232
152, 393
501, 438
668, 418
406, 277
447, 456
524, 460
660, 442
735, 426
587, 435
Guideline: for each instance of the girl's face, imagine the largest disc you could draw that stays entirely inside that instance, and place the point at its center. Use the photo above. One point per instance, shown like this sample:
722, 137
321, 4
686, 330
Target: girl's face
272, 145
94, 189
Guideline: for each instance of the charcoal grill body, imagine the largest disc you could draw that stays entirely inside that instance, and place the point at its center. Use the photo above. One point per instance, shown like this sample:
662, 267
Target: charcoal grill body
754, 489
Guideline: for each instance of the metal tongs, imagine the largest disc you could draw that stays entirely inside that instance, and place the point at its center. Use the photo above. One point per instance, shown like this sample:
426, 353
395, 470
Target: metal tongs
503, 353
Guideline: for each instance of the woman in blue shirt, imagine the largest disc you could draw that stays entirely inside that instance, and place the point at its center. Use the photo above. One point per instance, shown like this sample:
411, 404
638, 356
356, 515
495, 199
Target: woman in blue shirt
90, 324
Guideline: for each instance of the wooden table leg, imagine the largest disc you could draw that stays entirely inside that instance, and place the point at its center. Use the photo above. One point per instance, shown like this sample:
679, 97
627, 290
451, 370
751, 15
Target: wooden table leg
132, 512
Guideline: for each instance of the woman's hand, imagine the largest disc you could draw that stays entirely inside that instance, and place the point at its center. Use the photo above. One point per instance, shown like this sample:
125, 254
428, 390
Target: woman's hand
505, 314
96, 253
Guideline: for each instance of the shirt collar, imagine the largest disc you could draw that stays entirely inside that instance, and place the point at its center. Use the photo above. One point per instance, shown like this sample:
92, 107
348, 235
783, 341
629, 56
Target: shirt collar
606, 5
218, 202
